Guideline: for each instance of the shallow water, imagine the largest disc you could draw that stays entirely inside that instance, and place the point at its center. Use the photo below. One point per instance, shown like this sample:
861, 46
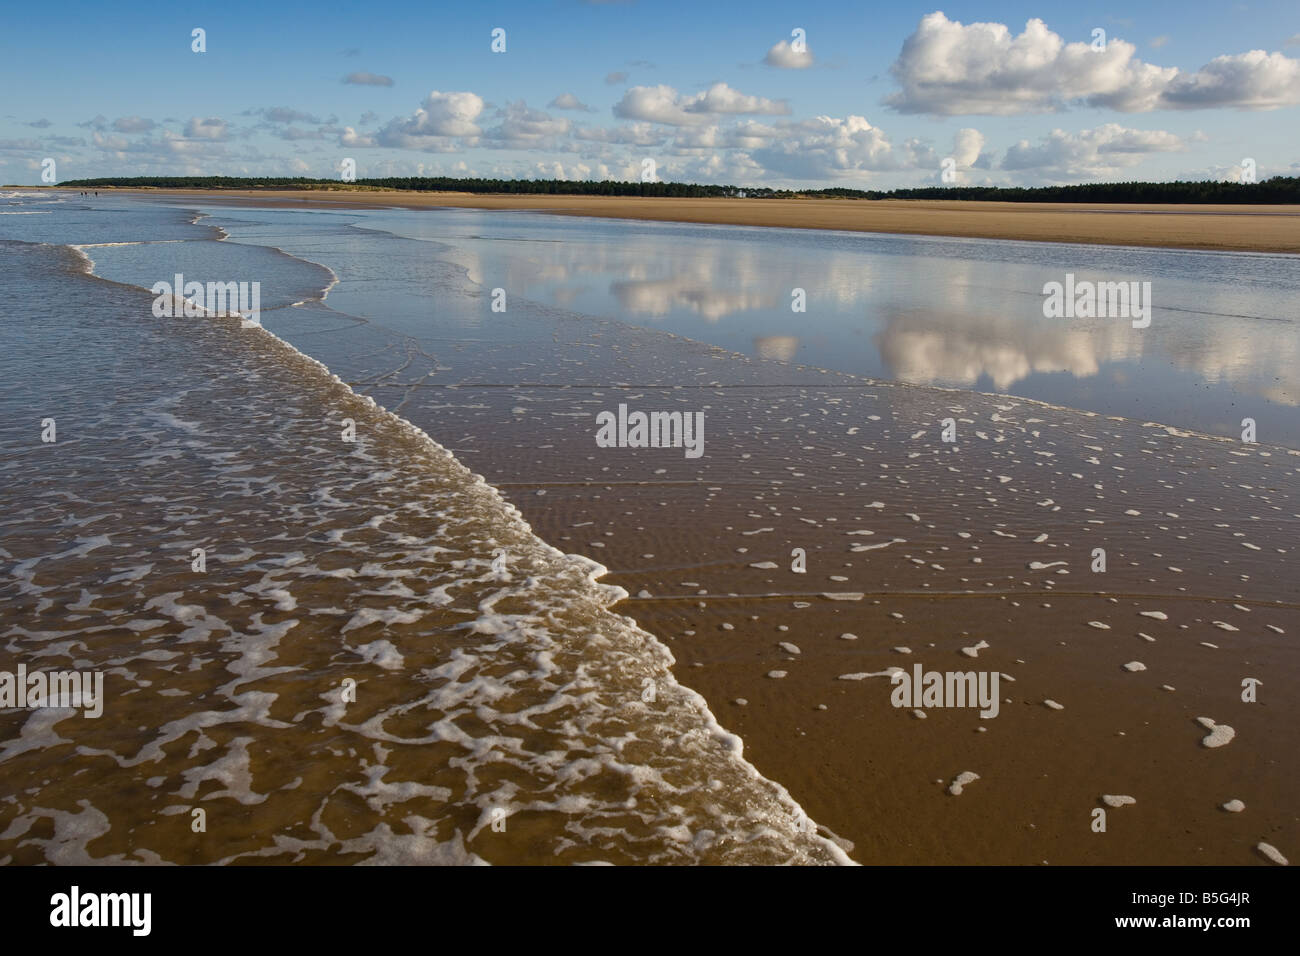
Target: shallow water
485, 688
1223, 341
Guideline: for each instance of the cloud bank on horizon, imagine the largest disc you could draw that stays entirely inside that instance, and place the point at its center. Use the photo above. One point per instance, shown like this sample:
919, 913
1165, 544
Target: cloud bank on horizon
767, 104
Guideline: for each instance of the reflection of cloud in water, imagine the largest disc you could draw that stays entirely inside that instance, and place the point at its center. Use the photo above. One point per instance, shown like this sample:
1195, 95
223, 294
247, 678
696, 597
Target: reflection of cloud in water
779, 347
1282, 395
1265, 354
931, 348
567, 296
950, 348
950, 321
710, 278
661, 296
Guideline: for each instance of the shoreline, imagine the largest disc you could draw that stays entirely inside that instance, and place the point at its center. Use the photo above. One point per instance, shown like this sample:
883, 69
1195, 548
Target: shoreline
977, 555
1222, 228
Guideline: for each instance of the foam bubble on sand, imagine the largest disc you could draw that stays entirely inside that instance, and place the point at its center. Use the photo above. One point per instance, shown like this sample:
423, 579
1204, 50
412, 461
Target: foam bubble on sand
974, 651
919, 715
1158, 615
1274, 627
960, 781
876, 547
843, 595
1234, 806
1116, 800
902, 650
863, 675
790, 648
1146, 637
369, 615
1208, 644
1040, 566
848, 637
1219, 734
1135, 666
1053, 704
37, 732
1100, 626
764, 565
382, 653
1223, 626
776, 675
1271, 853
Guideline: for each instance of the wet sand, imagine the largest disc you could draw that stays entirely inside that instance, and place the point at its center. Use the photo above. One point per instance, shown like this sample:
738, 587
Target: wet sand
930, 546
1195, 529
1234, 228
878, 775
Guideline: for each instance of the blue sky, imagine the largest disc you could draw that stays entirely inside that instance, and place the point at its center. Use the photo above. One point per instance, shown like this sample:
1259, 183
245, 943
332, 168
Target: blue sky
1009, 93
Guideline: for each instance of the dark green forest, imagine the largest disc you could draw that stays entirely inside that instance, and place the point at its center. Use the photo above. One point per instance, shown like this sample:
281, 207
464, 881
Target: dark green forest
1280, 189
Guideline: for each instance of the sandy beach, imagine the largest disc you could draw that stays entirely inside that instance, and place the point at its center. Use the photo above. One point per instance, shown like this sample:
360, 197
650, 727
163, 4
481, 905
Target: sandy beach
624, 435
1233, 228
967, 556
519, 687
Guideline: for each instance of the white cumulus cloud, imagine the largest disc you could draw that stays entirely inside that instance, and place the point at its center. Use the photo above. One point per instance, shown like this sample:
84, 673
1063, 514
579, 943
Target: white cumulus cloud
210, 128
525, 128
663, 104
784, 56
948, 68
441, 117
1089, 153
826, 147
567, 101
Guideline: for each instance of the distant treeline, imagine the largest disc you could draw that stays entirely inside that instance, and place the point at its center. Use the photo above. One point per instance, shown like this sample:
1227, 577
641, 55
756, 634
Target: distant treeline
1280, 189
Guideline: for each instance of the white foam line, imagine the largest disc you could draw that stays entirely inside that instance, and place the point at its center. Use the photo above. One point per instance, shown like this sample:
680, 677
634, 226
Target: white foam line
731, 743
141, 242
334, 276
